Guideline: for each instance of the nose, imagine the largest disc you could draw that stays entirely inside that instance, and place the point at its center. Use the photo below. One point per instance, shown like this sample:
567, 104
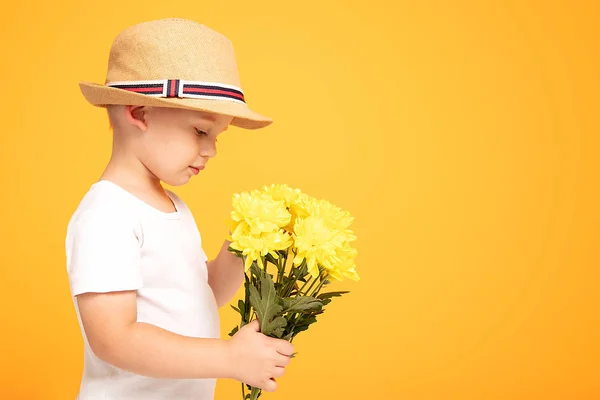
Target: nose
209, 150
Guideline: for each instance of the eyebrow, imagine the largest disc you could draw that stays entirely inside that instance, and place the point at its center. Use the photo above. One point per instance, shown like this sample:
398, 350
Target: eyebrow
207, 117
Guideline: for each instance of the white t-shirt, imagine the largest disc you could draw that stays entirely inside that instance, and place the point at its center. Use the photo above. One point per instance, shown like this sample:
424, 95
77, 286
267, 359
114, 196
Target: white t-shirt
115, 241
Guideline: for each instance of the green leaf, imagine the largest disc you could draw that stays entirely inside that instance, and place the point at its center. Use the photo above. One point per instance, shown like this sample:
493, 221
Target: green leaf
274, 261
235, 308
277, 327
329, 295
305, 321
233, 331
301, 270
242, 307
271, 259
237, 253
299, 329
255, 269
287, 285
302, 324
268, 305
301, 304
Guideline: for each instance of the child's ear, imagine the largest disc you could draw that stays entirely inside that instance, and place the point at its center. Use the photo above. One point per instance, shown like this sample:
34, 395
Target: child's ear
136, 115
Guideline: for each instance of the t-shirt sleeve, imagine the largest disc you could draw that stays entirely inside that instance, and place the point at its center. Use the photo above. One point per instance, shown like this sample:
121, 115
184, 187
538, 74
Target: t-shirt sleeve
103, 254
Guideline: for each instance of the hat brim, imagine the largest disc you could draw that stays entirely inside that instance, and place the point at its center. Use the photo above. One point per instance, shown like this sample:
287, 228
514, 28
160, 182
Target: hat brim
243, 116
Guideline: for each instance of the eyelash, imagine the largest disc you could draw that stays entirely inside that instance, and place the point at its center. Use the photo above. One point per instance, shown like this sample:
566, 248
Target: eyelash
200, 133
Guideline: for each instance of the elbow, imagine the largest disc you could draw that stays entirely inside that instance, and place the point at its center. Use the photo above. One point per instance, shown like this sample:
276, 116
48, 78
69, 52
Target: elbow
108, 348
102, 350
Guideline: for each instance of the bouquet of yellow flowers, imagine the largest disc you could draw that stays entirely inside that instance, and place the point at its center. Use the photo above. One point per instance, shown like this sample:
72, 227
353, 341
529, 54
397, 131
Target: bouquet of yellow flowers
307, 243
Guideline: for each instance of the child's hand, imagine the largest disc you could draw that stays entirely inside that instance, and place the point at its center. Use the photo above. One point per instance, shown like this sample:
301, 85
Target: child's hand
257, 358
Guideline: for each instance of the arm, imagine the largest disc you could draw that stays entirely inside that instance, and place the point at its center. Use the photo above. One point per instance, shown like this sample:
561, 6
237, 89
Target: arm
104, 284
109, 321
115, 336
225, 274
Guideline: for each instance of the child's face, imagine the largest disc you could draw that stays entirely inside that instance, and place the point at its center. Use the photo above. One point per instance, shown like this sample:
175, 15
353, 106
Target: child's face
177, 140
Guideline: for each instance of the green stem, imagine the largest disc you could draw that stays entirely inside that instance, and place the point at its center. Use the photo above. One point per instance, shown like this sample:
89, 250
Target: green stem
281, 267
255, 393
278, 270
305, 283
264, 262
313, 280
319, 286
291, 289
284, 262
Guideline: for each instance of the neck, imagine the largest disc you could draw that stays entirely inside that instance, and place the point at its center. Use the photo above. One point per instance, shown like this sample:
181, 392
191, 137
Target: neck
128, 171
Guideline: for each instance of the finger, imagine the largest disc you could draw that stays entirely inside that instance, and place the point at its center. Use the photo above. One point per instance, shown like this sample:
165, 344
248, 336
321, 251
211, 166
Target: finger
282, 360
278, 372
270, 385
284, 347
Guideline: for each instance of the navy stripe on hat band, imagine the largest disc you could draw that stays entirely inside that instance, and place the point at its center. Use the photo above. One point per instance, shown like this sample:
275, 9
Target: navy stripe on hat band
177, 88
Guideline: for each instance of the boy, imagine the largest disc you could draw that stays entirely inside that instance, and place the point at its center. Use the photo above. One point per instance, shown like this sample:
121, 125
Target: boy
145, 294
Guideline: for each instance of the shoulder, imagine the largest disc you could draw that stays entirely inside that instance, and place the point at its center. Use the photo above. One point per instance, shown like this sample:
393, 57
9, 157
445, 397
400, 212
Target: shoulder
103, 205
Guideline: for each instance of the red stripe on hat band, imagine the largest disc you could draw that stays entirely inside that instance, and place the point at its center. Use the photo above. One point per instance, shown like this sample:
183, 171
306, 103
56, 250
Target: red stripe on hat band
171, 88
173, 82
213, 91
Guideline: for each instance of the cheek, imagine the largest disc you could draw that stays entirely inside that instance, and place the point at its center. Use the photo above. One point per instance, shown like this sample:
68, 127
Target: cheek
181, 143
179, 156
173, 152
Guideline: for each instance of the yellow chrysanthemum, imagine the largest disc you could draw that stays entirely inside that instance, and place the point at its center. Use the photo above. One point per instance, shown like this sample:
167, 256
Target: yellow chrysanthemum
293, 199
344, 265
260, 211
335, 217
282, 192
254, 247
317, 243
319, 230
323, 237
299, 209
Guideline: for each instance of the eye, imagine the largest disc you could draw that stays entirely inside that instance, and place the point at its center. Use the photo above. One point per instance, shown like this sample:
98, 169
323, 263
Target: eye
202, 133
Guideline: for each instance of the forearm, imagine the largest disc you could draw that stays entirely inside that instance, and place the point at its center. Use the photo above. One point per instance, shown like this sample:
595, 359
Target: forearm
148, 350
225, 275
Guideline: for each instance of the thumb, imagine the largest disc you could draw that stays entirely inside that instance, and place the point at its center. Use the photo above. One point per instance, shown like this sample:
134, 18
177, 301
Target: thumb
253, 326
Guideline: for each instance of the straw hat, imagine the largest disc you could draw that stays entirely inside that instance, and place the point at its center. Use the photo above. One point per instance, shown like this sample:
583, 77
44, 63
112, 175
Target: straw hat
174, 63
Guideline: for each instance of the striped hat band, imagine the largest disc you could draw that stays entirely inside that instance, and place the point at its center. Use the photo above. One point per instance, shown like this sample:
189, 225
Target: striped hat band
182, 89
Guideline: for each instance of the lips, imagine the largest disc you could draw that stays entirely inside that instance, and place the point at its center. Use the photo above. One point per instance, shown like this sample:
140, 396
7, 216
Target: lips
197, 169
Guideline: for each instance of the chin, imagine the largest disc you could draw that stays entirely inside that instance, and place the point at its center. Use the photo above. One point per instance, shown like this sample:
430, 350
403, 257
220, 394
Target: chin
178, 181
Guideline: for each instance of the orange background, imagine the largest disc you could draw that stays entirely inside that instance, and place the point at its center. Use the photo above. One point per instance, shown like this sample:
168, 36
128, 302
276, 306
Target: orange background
463, 136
